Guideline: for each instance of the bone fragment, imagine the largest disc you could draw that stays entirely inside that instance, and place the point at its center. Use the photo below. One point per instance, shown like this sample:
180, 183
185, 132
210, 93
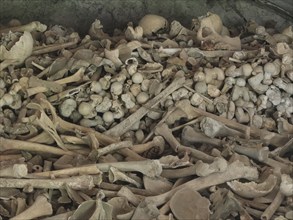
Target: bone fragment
127, 123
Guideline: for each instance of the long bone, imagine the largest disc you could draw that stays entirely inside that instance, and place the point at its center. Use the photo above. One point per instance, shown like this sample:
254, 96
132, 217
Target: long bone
213, 128
8, 144
33, 26
157, 141
40, 207
149, 168
191, 136
266, 136
126, 124
165, 132
235, 170
102, 138
78, 183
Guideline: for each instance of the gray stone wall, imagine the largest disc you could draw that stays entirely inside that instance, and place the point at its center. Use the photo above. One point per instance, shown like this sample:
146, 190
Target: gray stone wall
79, 14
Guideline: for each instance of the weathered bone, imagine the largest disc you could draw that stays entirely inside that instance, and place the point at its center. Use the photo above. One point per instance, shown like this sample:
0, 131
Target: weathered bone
179, 173
15, 171
270, 210
55, 47
157, 141
286, 186
63, 216
131, 197
21, 205
41, 207
113, 147
266, 136
74, 171
213, 128
212, 23
64, 125
205, 169
283, 149
76, 77
252, 189
127, 123
149, 168
21, 50
64, 198
30, 27
259, 154
165, 132
191, 136
116, 175
10, 157
114, 187
78, 183
8, 144
235, 170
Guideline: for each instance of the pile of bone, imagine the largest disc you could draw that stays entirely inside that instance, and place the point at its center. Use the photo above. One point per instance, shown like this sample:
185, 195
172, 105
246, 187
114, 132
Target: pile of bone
156, 121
